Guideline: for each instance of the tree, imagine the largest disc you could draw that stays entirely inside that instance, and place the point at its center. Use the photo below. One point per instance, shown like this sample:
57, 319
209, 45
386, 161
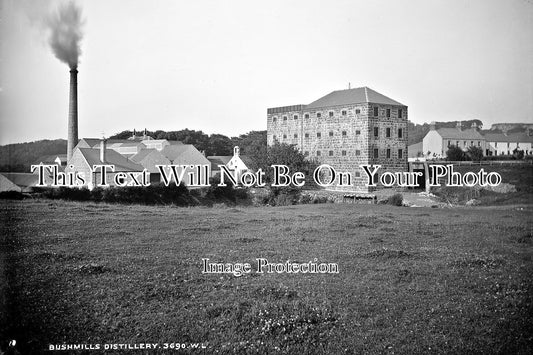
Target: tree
475, 153
455, 153
219, 144
253, 145
518, 154
289, 155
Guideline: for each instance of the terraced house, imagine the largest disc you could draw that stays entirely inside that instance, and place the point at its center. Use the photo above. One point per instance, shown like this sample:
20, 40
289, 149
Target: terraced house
345, 129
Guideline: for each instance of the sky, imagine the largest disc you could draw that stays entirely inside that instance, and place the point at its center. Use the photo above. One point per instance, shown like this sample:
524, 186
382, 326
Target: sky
216, 66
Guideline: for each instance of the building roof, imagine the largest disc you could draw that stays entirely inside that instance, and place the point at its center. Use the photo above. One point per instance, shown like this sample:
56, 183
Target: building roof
217, 160
455, 133
121, 163
174, 151
50, 159
91, 142
511, 137
22, 179
184, 154
142, 154
352, 96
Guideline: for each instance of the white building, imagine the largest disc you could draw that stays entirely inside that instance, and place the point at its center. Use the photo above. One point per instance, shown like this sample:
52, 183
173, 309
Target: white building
237, 163
505, 144
437, 141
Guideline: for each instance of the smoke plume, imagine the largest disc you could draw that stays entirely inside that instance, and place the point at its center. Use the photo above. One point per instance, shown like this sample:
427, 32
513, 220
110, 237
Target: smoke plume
65, 26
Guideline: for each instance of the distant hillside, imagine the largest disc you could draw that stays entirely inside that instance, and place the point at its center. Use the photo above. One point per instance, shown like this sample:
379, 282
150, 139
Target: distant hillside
18, 157
417, 132
511, 127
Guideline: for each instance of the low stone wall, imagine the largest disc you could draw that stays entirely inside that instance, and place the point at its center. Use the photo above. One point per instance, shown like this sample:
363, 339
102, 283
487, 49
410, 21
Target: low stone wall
338, 196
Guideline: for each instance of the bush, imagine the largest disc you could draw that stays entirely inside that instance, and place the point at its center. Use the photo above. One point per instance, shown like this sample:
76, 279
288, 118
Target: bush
150, 195
395, 200
475, 153
518, 154
455, 153
11, 195
456, 195
283, 196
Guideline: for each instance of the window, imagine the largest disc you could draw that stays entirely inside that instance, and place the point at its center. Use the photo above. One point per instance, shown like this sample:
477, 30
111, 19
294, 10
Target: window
357, 111
318, 115
331, 133
400, 112
295, 135
388, 112
318, 134
464, 143
330, 113
376, 131
479, 143
343, 112
457, 144
388, 153
400, 153
274, 119
376, 112
274, 137
400, 132
330, 153
449, 143
306, 115
343, 153
357, 132
357, 152
284, 118
318, 153
471, 143
295, 117
388, 132
284, 136
344, 133
307, 135
376, 153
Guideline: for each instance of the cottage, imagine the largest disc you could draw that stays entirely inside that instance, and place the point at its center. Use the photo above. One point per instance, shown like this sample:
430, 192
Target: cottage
437, 141
506, 143
237, 164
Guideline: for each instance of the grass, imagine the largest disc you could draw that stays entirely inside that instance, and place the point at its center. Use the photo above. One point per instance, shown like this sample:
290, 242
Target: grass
411, 280
519, 175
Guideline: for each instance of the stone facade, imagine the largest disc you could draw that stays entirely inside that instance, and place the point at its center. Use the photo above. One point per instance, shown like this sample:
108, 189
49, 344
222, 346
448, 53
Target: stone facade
346, 134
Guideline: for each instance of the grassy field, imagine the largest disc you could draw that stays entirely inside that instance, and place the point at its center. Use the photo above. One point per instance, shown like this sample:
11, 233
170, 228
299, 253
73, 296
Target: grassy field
411, 280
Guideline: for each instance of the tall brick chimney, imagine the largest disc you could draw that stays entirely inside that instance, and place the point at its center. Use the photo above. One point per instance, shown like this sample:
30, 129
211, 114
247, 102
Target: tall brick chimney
72, 113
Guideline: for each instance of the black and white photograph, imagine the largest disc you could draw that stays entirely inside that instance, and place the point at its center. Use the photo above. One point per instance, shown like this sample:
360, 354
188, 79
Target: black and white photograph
266, 177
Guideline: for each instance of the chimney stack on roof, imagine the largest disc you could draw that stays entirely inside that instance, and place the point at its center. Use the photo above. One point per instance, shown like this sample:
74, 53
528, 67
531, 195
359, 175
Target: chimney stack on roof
459, 125
102, 149
432, 125
236, 151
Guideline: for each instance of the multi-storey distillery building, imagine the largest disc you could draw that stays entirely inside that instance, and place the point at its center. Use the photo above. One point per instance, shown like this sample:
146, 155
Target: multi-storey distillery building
346, 129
